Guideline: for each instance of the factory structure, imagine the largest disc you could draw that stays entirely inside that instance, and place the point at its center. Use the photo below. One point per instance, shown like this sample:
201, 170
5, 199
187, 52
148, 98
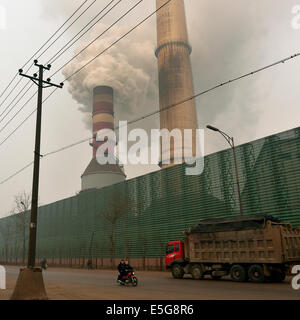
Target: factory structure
175, 84
113, 217
175, 77
97, 176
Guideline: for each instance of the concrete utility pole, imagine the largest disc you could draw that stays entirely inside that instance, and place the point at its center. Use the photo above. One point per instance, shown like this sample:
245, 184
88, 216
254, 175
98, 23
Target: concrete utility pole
30, 285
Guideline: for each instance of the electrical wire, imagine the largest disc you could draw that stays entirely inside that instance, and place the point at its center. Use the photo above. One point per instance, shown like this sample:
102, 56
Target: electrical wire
33, 111
63, 50
2, 182
40, 56
51, 61
14, 100
24, 105
14, 77
67, 28
158, 111
119, 19
94, 40
180, 102
187, 99
16, 173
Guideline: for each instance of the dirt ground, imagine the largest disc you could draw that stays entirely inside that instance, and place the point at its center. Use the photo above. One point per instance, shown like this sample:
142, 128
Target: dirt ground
78, 284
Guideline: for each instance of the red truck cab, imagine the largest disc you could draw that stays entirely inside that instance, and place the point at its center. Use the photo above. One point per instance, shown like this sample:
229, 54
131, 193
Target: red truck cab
174, 252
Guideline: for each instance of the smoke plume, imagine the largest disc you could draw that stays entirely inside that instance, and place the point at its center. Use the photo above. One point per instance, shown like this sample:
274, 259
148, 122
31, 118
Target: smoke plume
228, 39
128, 67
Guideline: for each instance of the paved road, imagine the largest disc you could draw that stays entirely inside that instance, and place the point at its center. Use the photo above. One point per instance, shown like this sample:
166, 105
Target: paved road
100, 284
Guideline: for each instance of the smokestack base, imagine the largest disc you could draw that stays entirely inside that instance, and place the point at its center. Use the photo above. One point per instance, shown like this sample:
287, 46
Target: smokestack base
97, 176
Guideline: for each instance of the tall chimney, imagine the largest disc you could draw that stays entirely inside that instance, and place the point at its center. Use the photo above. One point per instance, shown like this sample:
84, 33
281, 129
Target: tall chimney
175, 77
103, 112
97, 176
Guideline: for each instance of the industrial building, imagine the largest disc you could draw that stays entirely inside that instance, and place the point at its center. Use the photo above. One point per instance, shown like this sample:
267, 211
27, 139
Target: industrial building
97, 176
112, 218
175, 78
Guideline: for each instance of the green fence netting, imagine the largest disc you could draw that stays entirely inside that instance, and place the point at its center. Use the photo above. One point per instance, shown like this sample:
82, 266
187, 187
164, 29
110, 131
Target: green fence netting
136, 218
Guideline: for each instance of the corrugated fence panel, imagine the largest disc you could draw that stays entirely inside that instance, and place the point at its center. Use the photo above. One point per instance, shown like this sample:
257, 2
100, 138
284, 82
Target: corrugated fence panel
136, 218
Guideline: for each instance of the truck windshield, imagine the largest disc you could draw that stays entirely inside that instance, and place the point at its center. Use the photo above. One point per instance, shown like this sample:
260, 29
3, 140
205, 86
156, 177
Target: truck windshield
170, 248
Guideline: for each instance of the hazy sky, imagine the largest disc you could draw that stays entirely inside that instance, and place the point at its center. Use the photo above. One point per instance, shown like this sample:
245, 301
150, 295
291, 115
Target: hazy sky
229, 38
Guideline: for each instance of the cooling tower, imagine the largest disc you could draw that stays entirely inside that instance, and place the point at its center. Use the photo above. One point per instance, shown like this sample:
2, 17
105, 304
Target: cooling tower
175, 77
97, 176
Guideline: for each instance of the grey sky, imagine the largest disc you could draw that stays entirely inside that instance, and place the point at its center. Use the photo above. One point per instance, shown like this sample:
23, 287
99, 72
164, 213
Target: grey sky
229, 38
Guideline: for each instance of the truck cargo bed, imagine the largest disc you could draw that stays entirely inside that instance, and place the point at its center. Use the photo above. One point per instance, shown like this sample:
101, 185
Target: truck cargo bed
260, 240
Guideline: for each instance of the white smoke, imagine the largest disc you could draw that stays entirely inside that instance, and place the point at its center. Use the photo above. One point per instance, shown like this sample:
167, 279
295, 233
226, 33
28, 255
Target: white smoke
129, 68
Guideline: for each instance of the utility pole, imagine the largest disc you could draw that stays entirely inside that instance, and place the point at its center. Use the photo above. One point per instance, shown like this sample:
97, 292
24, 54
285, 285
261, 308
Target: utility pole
30, 283
230, 140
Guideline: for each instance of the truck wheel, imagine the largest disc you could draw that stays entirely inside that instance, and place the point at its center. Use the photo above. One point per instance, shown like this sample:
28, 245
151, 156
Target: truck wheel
197, 272
256, 273
177, 271
238, 273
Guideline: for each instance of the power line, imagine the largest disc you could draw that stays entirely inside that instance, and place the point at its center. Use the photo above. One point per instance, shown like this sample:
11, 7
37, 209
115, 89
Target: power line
16, 173
56, 89
51, 61
182, 101
11, 91
33, 111
14, 100
187, 99
62, 51
73, 14
50, 46
126, 13
14, 77
11, 119
67, 28
93, 41
40, 56
166, 108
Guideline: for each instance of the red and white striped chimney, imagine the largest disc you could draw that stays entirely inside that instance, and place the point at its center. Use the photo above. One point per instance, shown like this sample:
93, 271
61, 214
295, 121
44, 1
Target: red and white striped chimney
97, 176
103, 112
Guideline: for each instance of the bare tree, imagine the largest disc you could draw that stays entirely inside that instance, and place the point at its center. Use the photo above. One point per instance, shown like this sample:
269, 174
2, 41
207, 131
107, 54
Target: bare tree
161, 250
116, 207
22, 203
143, 243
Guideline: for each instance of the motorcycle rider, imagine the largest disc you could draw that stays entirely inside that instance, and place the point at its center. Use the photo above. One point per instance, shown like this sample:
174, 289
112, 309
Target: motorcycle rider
121, 269
127, 267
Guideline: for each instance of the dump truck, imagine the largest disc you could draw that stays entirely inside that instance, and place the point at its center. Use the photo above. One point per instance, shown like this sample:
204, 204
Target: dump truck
257, 248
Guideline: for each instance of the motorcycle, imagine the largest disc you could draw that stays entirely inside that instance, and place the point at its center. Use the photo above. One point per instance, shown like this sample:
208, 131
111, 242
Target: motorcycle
130, 278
